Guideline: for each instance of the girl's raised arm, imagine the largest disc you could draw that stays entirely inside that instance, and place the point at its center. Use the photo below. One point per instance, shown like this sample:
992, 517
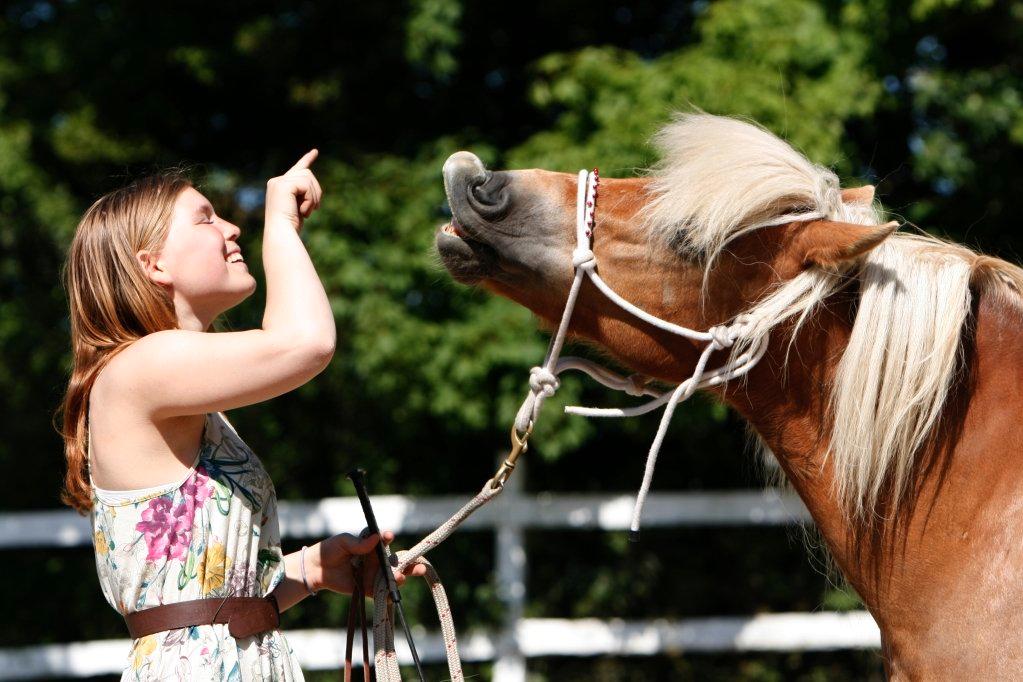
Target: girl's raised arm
183, 372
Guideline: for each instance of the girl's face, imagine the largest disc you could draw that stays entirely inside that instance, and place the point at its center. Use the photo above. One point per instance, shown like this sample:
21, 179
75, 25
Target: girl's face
193, 264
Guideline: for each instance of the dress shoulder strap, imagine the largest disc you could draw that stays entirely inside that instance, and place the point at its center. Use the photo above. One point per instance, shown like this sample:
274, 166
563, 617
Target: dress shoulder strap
88, 446
229, 424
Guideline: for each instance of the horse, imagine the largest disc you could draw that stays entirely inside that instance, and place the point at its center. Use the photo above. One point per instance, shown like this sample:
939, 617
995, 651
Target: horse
890, 389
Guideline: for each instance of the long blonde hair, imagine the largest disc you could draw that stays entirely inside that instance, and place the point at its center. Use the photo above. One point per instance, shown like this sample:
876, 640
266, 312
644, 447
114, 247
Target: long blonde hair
112, 302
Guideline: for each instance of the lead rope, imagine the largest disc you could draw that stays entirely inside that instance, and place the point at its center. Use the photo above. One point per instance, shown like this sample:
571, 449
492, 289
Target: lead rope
386, 659
543, 383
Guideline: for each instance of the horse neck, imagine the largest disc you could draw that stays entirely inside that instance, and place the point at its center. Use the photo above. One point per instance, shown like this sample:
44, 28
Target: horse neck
951, 550
786, 399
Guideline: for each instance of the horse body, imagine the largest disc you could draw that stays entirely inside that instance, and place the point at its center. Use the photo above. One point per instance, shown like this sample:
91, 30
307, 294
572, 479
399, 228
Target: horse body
924, 513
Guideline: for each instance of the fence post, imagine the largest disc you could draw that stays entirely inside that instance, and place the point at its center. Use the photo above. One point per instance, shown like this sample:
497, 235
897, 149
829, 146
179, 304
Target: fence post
510, 550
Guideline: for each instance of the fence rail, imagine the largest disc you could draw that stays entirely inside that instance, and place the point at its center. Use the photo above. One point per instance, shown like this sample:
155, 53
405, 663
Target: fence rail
520, 638
65, 528
321, 649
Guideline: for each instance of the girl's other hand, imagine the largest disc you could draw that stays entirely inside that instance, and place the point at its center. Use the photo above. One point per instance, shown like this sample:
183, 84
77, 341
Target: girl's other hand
334, 557
293, 197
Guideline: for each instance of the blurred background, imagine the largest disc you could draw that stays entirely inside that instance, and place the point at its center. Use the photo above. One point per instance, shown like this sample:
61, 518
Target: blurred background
920, 97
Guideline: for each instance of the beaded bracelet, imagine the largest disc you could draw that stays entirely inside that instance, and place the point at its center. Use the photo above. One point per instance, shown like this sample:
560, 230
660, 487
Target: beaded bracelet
304, 581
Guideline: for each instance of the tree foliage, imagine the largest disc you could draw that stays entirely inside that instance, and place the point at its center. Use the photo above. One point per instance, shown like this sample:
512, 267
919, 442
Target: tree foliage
920, 98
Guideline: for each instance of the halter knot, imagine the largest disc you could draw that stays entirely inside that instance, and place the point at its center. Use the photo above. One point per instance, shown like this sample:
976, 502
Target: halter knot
722, 336
583, 258
543, 381
636, 385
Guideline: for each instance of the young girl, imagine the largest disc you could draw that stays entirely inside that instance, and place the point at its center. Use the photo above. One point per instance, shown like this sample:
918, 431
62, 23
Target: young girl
184, 515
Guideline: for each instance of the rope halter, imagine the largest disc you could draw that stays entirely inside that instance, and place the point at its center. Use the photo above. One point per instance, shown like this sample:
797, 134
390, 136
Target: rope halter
543, 380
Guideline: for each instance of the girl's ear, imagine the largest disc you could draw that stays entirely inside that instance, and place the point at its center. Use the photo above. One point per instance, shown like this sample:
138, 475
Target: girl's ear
828, 243
152, 267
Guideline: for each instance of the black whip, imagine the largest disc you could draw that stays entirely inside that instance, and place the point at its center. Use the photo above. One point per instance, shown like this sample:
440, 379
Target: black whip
358, 478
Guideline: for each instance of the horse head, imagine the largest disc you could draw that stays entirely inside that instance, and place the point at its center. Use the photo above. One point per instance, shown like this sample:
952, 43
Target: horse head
513, 232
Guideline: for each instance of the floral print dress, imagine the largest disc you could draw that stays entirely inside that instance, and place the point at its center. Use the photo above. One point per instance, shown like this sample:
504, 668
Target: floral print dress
213, 534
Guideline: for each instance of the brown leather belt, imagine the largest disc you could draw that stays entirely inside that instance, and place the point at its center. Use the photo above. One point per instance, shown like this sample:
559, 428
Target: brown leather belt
244, 616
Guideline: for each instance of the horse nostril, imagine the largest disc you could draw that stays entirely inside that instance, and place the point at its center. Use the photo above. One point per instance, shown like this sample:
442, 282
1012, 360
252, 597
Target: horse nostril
490, 197
485, 191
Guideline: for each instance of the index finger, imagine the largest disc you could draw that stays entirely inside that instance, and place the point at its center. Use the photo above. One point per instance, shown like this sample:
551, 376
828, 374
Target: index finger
306, 160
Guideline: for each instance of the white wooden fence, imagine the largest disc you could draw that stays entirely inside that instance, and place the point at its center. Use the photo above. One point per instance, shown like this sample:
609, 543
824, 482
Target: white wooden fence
519, 638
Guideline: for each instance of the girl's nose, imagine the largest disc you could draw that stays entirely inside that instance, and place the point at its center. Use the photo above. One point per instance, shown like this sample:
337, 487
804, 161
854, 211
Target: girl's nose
233, 231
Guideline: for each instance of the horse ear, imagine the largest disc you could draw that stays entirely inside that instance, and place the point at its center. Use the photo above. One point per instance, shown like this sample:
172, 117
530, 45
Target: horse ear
858, 195
828, 243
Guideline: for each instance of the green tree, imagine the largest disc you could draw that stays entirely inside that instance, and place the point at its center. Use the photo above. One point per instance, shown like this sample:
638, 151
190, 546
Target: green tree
920, 98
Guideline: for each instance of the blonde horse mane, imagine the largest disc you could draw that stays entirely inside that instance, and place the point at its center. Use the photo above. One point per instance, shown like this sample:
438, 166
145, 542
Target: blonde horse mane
718, 176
